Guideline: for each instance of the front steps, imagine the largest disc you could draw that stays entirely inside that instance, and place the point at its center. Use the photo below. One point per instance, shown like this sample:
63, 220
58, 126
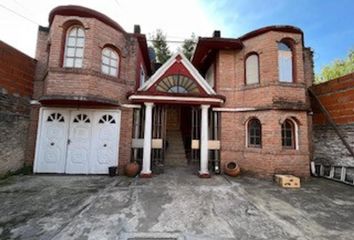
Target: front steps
175, 155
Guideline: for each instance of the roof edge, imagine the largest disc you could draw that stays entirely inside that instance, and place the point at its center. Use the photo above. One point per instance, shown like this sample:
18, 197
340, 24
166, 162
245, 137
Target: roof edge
80, 11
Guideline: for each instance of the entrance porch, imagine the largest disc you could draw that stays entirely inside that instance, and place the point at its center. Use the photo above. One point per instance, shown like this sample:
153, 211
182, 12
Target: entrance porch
176, 135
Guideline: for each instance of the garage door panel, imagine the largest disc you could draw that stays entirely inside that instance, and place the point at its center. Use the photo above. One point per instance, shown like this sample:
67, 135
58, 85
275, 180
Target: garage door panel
79, 142
52, 143
105, 141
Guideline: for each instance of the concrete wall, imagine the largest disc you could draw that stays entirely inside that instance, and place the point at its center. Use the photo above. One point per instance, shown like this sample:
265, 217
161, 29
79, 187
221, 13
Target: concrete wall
16, 86
338, 98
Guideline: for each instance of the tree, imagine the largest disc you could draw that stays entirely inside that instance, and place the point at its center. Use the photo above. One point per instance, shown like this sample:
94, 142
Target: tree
160, 46
188, 46
337, 68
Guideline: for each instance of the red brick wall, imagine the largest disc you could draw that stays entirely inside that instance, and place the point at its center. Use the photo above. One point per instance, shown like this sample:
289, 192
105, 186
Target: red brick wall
16, 71
337, 96
269, 94
53, 79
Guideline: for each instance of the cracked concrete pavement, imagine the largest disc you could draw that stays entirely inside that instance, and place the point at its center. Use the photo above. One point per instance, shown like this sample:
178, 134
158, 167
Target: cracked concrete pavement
174, 205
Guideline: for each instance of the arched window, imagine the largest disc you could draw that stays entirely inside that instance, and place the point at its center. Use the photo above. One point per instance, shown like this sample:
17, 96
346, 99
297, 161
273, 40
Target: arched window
288, 137
252, 69
110, 61
254, 133
285, 63
177, 84
74, 47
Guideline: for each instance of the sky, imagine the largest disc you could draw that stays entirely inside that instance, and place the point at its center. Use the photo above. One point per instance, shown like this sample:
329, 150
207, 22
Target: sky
328, 25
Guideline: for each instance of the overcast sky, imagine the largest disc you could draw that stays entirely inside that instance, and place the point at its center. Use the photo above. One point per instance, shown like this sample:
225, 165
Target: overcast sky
328, 24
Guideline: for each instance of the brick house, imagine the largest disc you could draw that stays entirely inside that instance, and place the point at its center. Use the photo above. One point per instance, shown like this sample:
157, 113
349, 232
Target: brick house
99, 104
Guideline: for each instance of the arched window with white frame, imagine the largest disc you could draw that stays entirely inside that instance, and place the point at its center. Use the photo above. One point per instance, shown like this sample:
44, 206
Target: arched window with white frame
254, 133
285, 63
289, 134
252, 69
74, 47
110, 62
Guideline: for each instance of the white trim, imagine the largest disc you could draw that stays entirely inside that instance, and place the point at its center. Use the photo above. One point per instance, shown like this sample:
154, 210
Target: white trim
35, 102
131, 106
158, 74
175, 98
296, 131
39, 132
233, 109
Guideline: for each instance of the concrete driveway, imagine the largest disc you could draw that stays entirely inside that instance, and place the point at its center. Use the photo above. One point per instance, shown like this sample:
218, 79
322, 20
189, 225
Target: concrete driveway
175, 205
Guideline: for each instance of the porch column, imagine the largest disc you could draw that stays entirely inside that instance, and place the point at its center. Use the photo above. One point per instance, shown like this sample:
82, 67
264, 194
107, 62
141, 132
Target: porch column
204, 142
146, 171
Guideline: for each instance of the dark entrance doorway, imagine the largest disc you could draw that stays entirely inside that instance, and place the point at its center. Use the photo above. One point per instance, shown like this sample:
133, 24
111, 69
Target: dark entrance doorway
178, 136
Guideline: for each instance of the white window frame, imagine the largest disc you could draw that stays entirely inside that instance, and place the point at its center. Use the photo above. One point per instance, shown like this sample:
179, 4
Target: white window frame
112, 69
296, 134
248, 73
74, 58
285, 64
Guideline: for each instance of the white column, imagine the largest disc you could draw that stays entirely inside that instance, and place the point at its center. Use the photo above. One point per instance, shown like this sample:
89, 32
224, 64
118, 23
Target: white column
204, 141
147, 140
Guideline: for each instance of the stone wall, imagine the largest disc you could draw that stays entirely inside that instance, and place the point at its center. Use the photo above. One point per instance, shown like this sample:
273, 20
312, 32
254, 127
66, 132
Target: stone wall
337, 96
16, 80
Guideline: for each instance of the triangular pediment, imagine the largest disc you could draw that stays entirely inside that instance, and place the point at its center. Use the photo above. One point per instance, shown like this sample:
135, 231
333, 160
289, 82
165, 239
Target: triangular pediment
177, 75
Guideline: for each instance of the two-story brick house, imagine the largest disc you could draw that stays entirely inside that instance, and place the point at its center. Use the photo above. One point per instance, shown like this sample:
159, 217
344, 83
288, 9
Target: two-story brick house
238, 99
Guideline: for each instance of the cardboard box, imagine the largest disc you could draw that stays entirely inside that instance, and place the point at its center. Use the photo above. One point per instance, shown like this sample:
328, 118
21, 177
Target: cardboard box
287, 181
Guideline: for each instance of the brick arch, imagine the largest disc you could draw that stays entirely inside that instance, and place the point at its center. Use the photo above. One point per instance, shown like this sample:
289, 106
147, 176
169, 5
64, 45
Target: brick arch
291, 118
72, 22
249, 117
114, 47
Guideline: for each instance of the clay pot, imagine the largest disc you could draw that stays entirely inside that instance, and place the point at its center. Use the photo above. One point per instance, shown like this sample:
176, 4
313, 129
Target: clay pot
231, 168
132, 169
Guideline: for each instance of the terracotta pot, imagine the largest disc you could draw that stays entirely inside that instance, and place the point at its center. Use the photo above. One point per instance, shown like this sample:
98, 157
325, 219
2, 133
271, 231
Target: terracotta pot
132, 169
231, 168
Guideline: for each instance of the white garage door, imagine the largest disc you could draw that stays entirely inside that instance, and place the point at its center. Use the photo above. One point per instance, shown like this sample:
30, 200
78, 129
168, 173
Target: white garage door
77, 141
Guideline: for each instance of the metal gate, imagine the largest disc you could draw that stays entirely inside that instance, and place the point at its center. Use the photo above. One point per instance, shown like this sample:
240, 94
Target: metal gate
158, 136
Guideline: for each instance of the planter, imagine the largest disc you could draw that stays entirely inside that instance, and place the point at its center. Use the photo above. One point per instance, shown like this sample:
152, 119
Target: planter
112, 171
231, 168
132, 169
